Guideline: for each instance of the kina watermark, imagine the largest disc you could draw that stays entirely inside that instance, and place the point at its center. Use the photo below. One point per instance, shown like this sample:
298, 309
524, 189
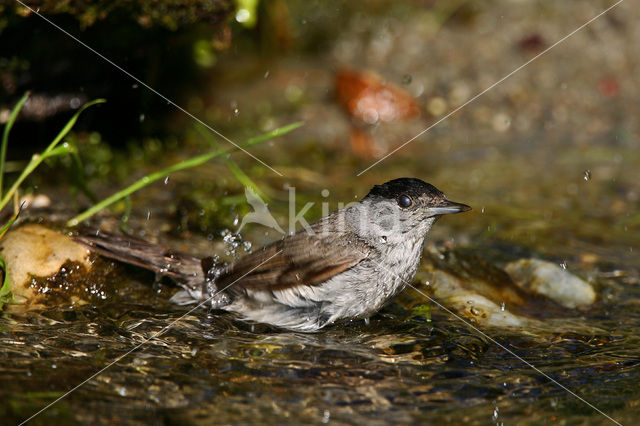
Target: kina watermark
383, 216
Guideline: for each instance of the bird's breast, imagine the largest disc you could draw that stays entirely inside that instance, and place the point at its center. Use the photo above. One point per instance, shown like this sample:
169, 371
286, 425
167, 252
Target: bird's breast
389, 273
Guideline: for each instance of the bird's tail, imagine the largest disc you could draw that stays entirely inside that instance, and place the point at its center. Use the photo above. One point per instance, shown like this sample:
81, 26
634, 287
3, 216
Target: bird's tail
189, 272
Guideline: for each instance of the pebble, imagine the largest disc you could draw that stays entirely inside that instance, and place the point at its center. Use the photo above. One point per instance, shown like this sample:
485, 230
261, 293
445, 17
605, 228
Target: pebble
551, 280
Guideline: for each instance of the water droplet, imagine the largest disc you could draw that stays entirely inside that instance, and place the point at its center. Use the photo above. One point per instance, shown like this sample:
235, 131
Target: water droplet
141, 117
243, 15
406, 79
74, 103
236, 112
236, 220
482, 211
501, 122
475, 311
503, 306
266, 74
427, 283
587, 175
234, 241
437, 106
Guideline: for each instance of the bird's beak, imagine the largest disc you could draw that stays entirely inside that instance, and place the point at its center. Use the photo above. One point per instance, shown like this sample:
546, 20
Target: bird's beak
448, 207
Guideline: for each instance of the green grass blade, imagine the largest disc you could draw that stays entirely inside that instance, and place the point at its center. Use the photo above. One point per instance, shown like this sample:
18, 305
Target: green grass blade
186, 164
5, 137
77, 175
233, 166
274, 133
5, 289
49, 152
10, 222
67, 128
144, 181
63, 149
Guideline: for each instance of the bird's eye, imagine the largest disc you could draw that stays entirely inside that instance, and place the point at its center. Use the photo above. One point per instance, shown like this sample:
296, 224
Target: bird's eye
405, 201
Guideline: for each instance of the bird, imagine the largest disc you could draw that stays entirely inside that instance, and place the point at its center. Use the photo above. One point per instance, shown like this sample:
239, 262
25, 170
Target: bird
345, 266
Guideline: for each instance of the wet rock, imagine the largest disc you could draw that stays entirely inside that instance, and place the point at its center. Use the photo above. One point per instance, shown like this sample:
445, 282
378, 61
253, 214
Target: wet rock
40, 262
527, 293
468, 303
475, 289
551, 280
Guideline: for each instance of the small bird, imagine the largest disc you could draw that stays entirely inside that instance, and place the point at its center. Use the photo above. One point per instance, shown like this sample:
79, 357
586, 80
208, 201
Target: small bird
346, 265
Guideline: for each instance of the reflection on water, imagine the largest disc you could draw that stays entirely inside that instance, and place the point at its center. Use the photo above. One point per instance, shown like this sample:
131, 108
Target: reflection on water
402, 367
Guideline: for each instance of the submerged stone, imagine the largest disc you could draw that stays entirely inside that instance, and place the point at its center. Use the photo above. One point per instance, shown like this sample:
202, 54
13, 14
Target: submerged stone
552, 281
470, 304
526, 293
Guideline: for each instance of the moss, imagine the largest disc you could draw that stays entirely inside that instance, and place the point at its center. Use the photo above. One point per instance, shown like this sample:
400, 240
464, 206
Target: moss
170, 14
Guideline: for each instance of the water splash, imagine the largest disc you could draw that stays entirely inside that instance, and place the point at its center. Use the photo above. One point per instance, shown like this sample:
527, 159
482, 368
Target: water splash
233, 242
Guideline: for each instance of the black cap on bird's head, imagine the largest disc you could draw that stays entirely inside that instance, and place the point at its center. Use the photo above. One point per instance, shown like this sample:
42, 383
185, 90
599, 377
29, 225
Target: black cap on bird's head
415, 193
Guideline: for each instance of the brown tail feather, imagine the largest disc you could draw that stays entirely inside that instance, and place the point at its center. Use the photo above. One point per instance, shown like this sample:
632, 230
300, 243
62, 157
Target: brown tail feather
184, 269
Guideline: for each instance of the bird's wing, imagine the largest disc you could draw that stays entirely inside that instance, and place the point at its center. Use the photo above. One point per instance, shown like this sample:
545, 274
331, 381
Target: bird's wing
300, 259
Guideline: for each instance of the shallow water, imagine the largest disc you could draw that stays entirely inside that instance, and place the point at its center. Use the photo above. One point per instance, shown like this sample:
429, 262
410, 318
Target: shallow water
548, 160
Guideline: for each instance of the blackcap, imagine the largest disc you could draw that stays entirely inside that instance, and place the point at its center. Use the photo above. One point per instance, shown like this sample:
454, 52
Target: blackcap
346, 265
